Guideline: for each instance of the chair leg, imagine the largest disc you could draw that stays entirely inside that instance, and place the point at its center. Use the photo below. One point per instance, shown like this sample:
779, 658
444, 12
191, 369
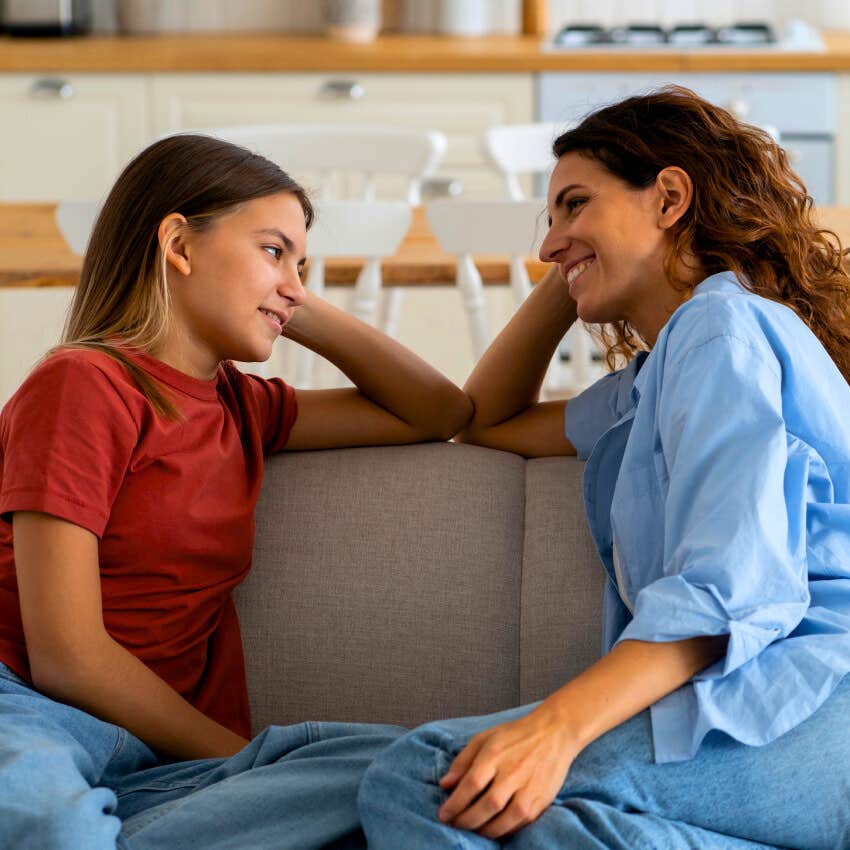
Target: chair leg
366, 291
390, 311
472, 293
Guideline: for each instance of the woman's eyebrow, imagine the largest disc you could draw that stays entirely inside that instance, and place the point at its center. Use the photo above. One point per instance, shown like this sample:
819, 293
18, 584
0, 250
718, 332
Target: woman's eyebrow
559, 198
273, 231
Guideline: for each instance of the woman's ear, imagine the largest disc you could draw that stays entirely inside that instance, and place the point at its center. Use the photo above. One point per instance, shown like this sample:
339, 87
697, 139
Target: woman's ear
173, 243
676, 191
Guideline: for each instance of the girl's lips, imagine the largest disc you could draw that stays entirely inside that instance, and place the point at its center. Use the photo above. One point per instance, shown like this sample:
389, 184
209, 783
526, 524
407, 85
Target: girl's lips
576, 270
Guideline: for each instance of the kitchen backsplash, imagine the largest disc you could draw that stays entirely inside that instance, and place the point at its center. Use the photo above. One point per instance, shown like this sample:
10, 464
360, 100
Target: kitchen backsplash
503, 16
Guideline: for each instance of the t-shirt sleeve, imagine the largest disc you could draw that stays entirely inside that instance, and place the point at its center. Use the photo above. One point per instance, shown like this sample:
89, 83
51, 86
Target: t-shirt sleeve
591, 413
734, 546
67, 437
277, 410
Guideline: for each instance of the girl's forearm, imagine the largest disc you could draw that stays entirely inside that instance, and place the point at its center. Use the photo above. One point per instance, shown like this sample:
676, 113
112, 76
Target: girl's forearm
112, 684
629, 679
508, 377
382, 369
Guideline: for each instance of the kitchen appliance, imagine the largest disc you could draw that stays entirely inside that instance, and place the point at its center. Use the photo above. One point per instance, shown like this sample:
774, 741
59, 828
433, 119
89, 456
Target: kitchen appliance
801, 106
796, 35
37, 18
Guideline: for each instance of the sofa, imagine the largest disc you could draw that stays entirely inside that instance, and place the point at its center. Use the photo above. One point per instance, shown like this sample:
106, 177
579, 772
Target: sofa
403, 584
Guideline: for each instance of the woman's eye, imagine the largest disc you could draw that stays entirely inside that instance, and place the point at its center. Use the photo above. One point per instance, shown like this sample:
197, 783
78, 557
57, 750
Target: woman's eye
273, 250
574, 203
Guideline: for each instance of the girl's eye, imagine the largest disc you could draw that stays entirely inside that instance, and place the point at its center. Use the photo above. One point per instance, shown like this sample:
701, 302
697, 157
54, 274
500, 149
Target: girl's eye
574, 203
274, 250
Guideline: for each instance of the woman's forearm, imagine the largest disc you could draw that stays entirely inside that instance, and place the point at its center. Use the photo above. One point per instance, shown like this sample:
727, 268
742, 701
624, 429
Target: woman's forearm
507, 379
382, 369
630, 678
112, 684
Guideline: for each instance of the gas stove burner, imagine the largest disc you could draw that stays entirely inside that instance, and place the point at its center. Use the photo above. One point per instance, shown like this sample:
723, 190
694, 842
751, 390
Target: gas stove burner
690, 35
581, 35
746, 33
639, 35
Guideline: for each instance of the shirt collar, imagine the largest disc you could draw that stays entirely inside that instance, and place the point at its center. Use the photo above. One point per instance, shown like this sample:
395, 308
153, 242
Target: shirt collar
725, 281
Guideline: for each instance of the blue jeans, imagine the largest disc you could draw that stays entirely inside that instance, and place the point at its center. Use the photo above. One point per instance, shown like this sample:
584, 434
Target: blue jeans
794, 792
69, 781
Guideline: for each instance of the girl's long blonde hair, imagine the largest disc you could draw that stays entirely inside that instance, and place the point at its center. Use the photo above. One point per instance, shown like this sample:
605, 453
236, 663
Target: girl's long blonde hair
750, 211
122, 299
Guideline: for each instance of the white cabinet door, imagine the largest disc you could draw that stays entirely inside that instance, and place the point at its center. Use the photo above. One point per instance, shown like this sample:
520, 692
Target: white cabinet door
460, 105
68, 136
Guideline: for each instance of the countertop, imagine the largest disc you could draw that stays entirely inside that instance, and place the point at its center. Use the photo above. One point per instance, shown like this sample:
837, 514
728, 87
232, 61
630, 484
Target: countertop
392, 53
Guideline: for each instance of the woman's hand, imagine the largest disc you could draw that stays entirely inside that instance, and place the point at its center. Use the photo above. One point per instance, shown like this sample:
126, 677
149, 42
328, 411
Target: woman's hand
507, 776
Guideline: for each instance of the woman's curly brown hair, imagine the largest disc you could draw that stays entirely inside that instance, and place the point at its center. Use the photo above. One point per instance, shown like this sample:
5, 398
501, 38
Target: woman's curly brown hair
750, 212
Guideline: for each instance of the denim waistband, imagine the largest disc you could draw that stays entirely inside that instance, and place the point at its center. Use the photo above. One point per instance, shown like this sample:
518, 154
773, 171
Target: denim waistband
8, 673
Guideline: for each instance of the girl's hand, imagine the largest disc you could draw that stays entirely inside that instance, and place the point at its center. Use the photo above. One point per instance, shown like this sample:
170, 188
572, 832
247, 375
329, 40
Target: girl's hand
507, 776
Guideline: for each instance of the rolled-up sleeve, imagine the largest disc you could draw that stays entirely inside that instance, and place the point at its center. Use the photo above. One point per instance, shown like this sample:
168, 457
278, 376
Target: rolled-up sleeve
591, 413
734, 544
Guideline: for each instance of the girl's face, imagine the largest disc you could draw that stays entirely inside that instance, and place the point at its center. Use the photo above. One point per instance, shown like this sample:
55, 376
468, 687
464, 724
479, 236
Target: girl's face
610, 241
235, 284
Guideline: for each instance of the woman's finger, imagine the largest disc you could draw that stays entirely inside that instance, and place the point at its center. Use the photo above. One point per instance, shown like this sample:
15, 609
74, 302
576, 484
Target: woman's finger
522, 810
462, 762
471, 785
488, 806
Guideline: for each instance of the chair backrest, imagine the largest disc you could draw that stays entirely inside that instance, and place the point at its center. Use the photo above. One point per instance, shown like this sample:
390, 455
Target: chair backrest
333, 149
518, 149
488, 227
358, 228
75, 220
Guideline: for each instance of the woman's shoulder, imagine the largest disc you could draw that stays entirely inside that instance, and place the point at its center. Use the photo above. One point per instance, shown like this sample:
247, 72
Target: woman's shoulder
724, 311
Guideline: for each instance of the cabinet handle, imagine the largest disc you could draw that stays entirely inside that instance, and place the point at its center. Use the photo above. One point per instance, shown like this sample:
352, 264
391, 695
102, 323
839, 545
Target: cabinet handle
53, 88
342, 90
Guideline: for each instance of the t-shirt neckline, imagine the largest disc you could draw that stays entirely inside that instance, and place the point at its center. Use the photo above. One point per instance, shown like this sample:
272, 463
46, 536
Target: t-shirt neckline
205, 390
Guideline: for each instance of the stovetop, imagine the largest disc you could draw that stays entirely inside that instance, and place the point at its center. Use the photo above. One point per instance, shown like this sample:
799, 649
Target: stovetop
796, 36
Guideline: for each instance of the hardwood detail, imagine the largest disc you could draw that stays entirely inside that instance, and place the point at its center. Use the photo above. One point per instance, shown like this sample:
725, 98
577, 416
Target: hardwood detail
394, 53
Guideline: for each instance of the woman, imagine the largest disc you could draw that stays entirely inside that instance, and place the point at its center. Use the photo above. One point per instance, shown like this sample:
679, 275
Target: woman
717, 488
130, 464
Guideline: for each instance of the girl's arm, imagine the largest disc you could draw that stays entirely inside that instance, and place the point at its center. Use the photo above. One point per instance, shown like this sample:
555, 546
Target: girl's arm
397, 397
520, 766
72, 657
505, 384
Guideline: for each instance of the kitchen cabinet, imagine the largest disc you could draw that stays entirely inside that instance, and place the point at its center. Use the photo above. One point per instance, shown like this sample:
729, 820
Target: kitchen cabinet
462, 106
68, 136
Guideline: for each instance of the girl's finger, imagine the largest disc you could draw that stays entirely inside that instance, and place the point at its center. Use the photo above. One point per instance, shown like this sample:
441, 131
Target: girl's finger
470, 786
461, 763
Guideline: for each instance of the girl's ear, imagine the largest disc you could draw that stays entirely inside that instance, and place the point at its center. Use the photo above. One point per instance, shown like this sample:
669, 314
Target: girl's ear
676, 191
173, 243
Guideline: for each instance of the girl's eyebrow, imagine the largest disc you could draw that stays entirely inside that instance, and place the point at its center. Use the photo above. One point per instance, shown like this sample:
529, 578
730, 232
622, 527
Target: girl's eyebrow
273, 231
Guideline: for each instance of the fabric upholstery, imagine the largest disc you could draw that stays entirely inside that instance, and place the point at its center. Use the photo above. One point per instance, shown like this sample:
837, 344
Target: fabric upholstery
404, 584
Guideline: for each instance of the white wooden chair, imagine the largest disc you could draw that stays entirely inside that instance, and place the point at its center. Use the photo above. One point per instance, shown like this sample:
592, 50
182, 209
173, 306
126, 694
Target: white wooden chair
350, 162
75, 220
515, 150
369, 229
467, 228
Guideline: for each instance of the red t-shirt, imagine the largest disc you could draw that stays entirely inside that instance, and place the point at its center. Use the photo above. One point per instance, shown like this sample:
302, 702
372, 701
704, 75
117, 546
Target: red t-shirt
172, 503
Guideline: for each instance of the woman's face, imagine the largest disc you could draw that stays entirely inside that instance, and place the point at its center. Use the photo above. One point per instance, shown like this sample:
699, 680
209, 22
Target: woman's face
609, 242
235, 284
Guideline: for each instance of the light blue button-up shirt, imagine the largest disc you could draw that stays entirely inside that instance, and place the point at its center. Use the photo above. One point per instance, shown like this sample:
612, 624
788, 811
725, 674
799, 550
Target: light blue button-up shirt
718, 473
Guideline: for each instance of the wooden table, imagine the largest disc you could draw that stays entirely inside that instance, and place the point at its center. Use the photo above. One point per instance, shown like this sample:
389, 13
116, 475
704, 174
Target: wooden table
33, 254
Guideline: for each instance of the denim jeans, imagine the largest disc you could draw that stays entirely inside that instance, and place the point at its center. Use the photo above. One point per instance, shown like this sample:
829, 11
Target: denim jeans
791, 793
69, 781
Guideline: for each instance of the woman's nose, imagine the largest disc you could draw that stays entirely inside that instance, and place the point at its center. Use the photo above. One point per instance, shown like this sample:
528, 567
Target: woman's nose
292, 288
550, 245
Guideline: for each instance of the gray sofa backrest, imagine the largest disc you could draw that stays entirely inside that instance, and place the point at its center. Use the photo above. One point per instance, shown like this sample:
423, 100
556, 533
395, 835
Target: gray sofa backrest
398, 585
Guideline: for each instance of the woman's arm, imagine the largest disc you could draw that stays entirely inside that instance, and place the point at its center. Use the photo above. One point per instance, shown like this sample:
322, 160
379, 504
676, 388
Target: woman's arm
72, 657
397, 398
505, 384
508, 775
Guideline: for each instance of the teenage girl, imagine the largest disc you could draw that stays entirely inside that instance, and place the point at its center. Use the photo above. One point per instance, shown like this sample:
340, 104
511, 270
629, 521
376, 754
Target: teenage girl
130, 464
717, 489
